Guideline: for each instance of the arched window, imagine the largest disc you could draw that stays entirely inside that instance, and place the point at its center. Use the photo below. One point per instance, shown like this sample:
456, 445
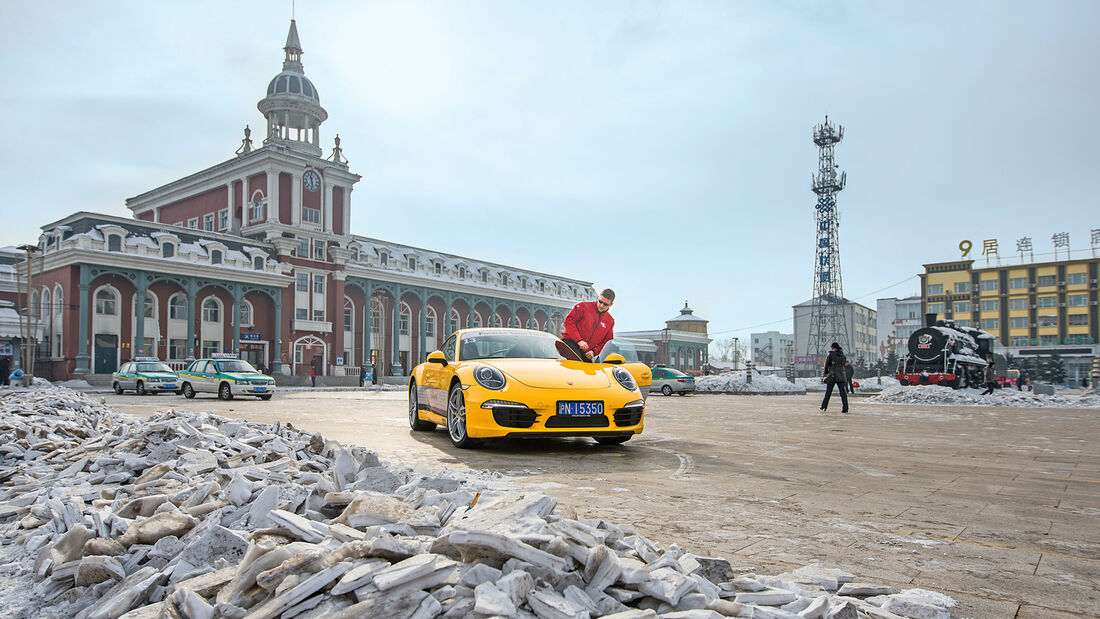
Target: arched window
453, 322
33, 305
114, 242
58, 299
177, 307
376, 316
149, 311
106, 303
477, 320
58, 323
494, 320
429, 323
167, 250
215, 256
45, 313
349, 315
403, 319
258, 263
211, 310
246, 313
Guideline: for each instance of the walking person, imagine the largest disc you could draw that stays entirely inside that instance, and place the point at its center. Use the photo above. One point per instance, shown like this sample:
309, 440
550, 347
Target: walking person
1020, 380
990, 379
849, 372
834, 376
589, 326
313, 372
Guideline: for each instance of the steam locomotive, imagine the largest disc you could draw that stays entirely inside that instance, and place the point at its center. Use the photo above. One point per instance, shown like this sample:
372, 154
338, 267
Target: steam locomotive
944, 353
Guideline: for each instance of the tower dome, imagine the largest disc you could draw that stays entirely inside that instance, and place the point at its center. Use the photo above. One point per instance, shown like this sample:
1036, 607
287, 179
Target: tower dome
292, 105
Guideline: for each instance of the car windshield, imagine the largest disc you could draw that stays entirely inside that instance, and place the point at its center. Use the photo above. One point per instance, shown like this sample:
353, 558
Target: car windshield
677, 373
512, 345
235, 365
153, 367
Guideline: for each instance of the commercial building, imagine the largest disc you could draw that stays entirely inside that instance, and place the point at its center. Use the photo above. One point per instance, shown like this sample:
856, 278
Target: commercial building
255, 255
897, 319
1034, 309
861, 323
682, 344
773, 349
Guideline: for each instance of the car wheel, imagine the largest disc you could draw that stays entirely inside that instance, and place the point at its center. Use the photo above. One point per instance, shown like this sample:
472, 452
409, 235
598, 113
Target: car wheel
414, 411
225, 392
456, 419
179, 391
667, 390
141, 388
188, 391
265, 397
613, 440
118, 388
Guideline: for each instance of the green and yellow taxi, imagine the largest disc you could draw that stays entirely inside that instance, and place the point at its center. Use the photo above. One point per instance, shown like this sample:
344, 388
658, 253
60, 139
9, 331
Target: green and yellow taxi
227, 376
145, 375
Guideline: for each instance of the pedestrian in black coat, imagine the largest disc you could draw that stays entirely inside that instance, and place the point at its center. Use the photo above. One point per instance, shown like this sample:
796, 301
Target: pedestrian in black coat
834, 376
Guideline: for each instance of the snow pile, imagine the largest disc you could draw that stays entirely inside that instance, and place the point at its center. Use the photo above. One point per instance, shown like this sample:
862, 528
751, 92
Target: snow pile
945, 396
194, 515
735, 382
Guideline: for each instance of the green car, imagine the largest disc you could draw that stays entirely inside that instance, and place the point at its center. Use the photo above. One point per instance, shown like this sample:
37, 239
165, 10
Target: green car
145, 375
226, 376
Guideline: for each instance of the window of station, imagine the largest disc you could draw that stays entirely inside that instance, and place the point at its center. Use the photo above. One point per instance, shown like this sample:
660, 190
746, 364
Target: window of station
215, 256
989, 285
1078, 320
1076, 279
962, 306
1017, 304
1077, 300
1048, 321
167, 250
208, 222
1015, 283
114, 242
935, 289
1048, 301
1018, 322
1046, 280
990, 323
961, 287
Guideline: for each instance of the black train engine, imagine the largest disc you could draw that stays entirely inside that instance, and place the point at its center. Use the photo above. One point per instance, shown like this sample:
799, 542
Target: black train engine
943, 353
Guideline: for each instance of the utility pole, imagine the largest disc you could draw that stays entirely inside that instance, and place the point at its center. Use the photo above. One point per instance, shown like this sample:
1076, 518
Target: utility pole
30, 342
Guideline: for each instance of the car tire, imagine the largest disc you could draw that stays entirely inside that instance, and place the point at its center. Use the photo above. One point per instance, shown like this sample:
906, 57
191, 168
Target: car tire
141, 388
667, 390
179, 391
225, 392
613, 440
117, 387
265, 398
414, 412
188, 391
456, 419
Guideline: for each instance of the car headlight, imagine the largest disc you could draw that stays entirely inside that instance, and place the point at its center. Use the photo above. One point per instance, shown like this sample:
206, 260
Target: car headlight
240, 382
489, 377
624, 378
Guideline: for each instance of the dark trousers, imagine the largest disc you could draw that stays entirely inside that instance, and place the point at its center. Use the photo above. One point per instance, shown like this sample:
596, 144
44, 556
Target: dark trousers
989, 387
829, 393
577, 349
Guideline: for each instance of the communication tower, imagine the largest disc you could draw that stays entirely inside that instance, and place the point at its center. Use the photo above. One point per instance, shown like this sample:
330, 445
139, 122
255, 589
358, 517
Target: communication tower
827, 323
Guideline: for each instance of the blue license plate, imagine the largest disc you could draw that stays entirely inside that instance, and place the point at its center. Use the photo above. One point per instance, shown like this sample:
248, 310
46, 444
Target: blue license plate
580, 408
259, 389
168, 386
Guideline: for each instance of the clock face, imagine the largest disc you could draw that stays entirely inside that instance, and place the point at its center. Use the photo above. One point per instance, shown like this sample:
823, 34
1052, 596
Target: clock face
311, 180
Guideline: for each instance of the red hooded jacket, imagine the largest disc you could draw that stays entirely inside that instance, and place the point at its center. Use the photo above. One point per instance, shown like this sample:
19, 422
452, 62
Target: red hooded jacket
585, 323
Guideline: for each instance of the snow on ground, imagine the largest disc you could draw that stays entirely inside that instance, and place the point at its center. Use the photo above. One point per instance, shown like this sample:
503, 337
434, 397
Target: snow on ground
735, 382
936, 395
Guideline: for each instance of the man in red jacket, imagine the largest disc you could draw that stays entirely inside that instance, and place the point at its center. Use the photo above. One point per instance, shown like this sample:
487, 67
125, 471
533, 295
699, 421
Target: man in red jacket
589, 326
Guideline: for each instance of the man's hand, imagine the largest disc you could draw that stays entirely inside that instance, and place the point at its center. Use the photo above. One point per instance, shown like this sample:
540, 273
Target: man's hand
589, 354
583, 344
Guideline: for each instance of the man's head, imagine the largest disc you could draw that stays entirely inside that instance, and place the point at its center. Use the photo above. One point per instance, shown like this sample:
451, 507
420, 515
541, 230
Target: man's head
606, 300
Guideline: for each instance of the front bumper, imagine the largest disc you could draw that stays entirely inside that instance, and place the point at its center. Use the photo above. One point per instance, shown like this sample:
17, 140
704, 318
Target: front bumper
619, 418
253, 389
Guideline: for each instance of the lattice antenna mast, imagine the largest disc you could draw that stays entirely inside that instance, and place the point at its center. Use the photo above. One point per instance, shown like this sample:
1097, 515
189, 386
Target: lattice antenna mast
827, 323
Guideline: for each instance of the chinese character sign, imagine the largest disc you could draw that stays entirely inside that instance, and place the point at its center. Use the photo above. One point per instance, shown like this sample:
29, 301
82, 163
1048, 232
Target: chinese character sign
1061, 239
1024, 245
1095, 240
989, 246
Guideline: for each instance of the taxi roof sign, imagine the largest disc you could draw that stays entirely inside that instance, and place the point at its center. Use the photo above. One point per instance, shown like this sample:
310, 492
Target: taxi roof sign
146, 359
224, 355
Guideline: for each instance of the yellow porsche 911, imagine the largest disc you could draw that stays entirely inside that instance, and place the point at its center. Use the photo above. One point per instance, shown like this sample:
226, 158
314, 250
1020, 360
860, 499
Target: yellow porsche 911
498, 382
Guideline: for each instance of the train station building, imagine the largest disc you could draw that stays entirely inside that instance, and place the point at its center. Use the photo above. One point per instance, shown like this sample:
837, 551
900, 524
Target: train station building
255, 255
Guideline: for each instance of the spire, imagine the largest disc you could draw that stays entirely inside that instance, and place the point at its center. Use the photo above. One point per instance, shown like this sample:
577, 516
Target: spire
293, 50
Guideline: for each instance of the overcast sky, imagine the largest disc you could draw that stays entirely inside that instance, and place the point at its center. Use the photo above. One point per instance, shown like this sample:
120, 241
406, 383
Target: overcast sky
659, 148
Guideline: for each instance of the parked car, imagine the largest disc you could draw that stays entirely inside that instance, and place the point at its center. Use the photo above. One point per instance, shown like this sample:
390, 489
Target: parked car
145, 375
669, 381
500, 382
227, 376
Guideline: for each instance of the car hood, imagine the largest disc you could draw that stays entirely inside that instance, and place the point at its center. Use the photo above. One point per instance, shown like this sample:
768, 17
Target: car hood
165, 375
554, 374
244, 375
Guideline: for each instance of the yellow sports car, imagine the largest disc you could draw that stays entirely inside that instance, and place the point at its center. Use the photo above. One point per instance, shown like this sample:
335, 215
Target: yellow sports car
497, 382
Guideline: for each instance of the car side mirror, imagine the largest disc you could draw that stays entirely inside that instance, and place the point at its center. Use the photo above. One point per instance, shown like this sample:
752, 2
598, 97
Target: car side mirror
615, 359
437, 357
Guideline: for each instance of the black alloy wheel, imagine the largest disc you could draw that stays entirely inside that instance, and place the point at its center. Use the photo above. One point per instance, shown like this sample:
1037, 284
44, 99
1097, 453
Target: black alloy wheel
456, 419
225, 392
667, 390
188, 391
141, 388
118, 388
